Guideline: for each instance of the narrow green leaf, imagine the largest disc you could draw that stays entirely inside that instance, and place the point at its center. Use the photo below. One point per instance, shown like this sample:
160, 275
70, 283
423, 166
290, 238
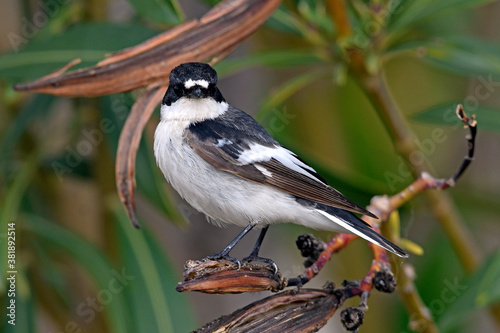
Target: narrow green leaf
276, 58
10, 208
286, 90
149, 291
488, 119
181, 311
471, 294
417, 11
89, 42
489, 288
462, 55
283, 20
53, 276
316, 14
37, 107
159, 11
90, 258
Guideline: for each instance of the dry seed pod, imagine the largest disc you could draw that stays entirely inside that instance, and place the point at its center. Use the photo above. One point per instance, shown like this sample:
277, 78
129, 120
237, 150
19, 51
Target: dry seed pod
290, 311
224, 277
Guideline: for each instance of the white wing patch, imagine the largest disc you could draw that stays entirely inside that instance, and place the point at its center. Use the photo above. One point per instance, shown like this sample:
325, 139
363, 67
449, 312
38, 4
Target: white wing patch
259, 153
223, 142
264, 171
191, 83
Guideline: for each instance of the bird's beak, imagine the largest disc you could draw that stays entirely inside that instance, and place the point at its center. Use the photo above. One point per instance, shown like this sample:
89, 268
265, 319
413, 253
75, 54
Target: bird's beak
196, 93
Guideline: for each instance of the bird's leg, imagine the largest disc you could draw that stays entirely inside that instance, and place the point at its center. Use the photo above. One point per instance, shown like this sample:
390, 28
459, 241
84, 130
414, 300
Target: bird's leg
254, 256
224, 254
258, 243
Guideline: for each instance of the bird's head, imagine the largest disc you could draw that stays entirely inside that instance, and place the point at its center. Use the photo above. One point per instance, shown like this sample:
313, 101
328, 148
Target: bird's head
193, 80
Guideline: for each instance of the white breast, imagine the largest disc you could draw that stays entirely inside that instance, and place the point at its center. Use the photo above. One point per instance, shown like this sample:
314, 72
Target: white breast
218, 194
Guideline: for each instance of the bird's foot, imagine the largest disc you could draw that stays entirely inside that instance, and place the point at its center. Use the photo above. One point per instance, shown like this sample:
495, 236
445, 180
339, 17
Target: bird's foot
254, 257
219, 256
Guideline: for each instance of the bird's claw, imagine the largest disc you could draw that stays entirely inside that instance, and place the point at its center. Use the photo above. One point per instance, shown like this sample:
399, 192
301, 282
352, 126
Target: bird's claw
217, 257
265, 260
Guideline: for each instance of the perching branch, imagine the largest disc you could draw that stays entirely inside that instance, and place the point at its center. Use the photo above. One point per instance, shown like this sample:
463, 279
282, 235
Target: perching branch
382, 206
224, 277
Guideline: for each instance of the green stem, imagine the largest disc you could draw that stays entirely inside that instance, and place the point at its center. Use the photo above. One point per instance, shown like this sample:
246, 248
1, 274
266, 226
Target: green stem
403, 138
420, 317
440, 203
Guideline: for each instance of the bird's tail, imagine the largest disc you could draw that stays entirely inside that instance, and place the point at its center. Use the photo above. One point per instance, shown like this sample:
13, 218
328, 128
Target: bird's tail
354, 225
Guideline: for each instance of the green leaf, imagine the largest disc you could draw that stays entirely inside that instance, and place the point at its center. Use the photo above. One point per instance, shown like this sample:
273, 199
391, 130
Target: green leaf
283, 20
89, 42
287, 90
286, 21
489, 288
159, 11
488, 119
316, 14
462, 55
276, 58
10, 208
156, 306
181, 310
417, 11
89, 257
37, 107
473, 293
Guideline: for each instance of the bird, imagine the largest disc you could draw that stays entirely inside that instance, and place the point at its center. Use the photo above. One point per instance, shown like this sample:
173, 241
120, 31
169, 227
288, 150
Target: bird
228, 167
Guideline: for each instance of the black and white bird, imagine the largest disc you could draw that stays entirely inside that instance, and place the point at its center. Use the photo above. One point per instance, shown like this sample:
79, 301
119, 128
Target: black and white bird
227, 166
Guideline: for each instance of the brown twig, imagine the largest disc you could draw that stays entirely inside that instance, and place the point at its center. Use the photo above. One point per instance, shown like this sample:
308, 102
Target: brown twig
425, 181
329, 248
337, 10
222, 28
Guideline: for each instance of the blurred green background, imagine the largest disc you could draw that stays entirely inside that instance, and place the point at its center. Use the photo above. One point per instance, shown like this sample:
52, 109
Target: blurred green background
82, 267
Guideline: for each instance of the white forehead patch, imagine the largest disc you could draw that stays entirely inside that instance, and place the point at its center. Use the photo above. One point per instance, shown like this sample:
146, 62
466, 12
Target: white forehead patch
191, 83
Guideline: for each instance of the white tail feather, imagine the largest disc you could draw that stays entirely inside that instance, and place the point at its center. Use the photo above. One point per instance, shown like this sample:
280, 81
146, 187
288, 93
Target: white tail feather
359, 233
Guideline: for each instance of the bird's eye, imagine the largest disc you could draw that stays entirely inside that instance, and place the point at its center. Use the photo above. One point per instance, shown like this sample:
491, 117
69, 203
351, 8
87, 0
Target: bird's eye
176, 87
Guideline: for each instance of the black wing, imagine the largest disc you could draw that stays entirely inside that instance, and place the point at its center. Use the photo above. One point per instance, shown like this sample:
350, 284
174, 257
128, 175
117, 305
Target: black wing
236, 143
